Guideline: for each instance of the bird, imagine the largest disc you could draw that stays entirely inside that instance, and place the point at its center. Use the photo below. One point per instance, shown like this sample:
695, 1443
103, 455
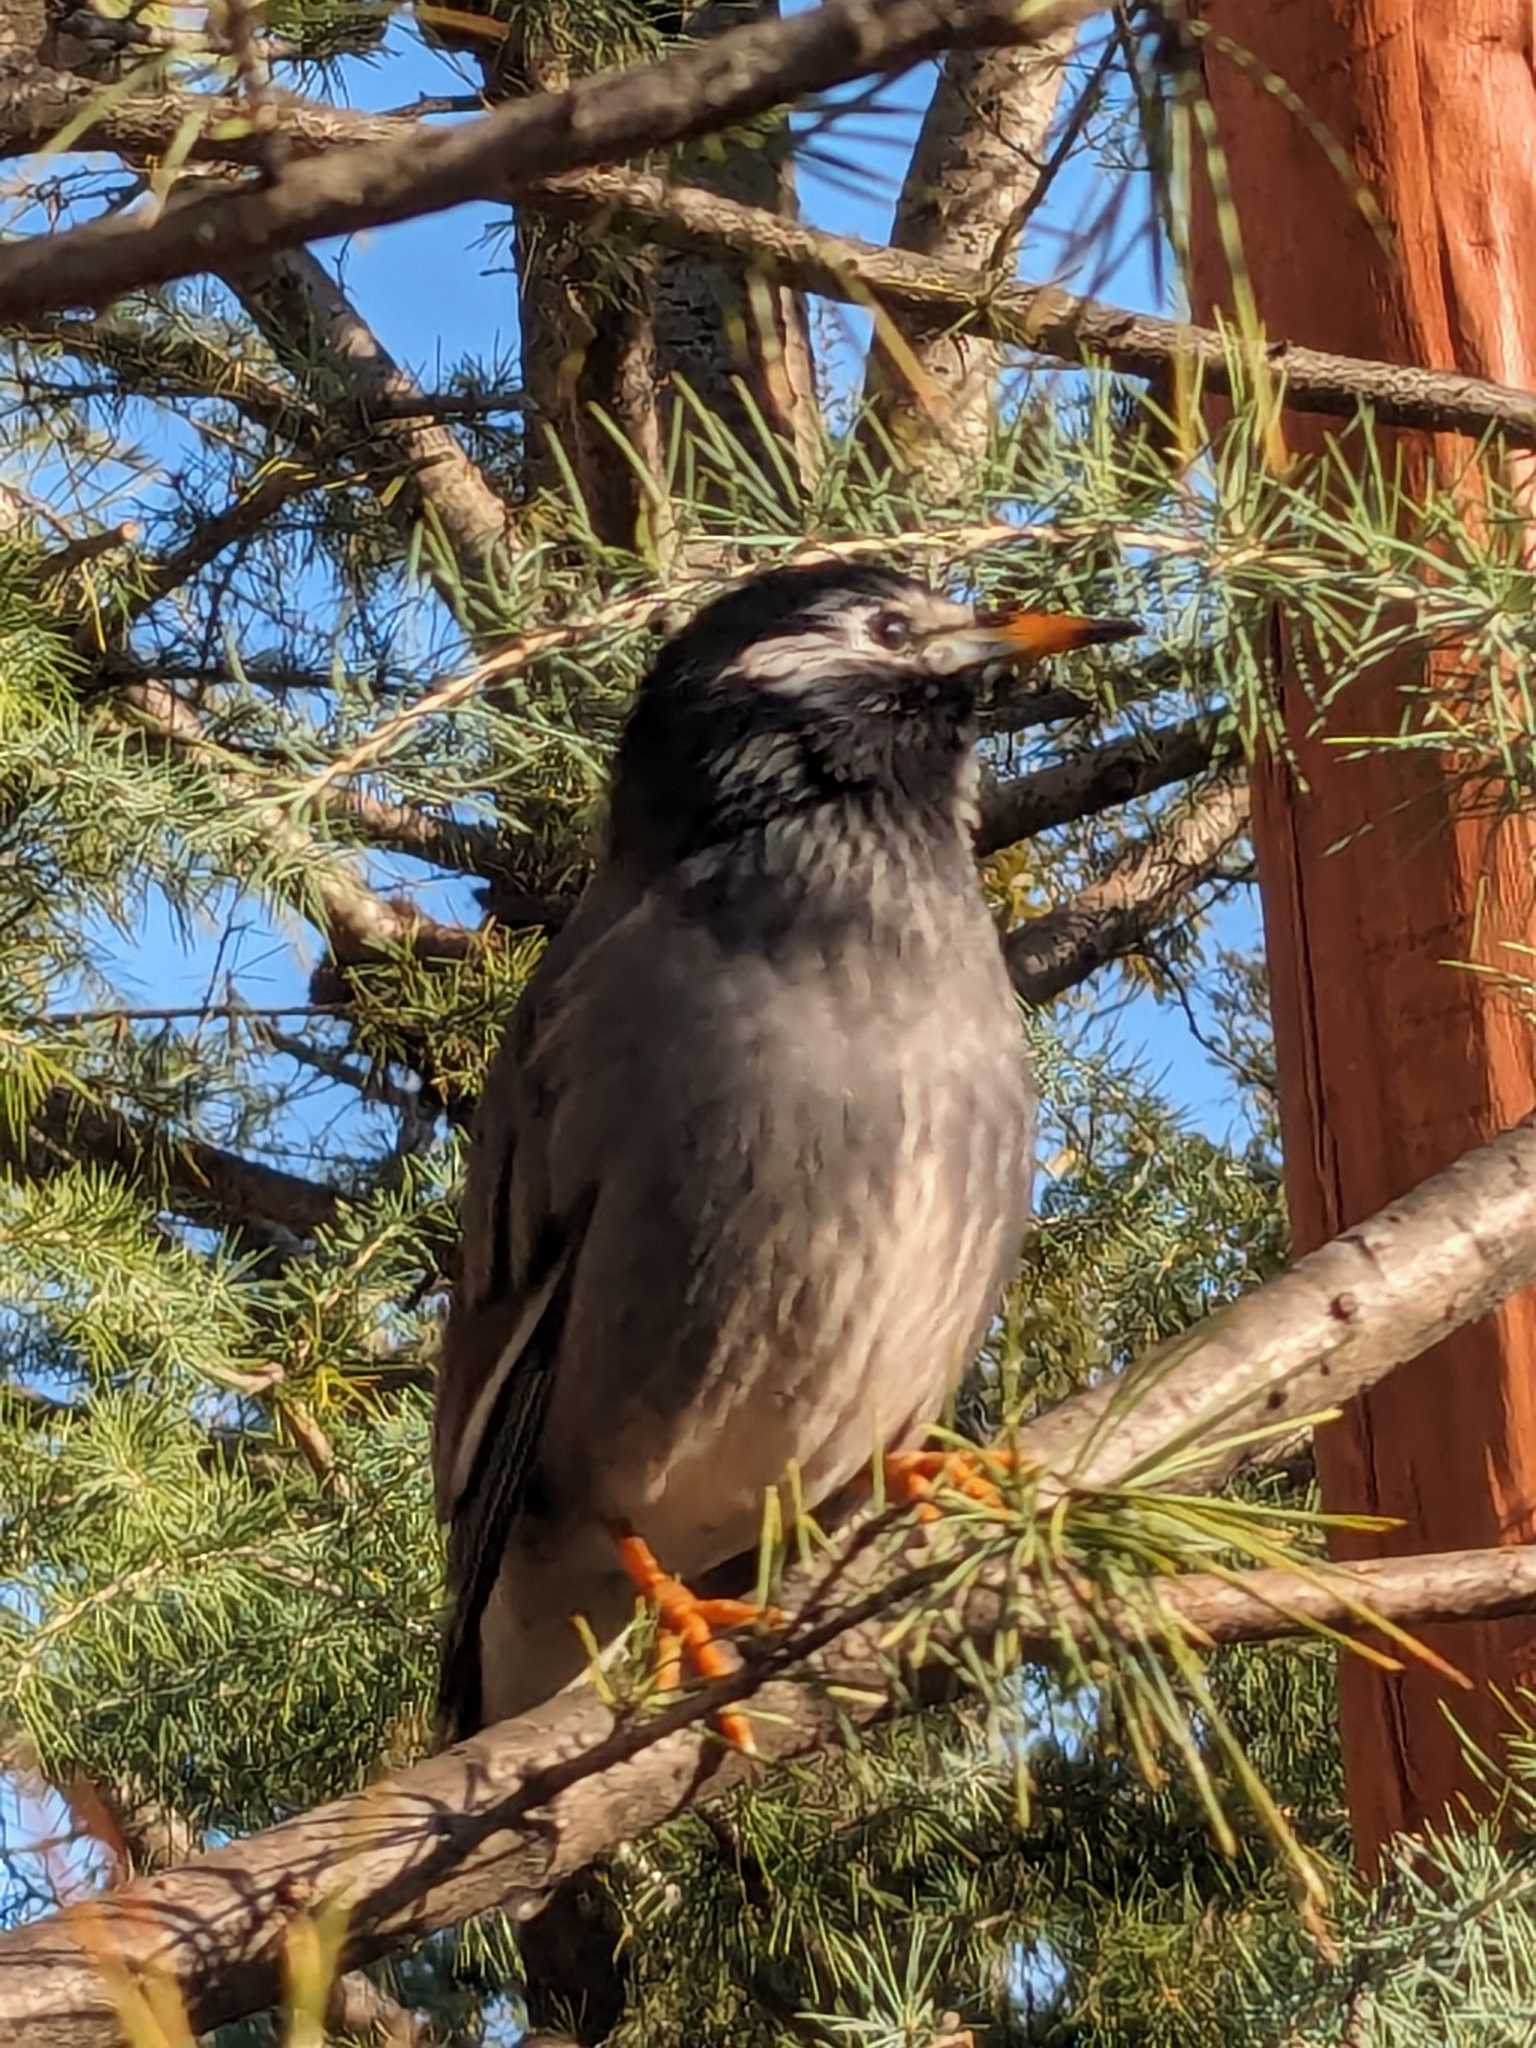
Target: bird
752, 1165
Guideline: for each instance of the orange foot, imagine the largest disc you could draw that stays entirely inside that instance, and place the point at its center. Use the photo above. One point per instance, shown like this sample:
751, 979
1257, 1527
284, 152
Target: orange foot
685, 1630
913, 1475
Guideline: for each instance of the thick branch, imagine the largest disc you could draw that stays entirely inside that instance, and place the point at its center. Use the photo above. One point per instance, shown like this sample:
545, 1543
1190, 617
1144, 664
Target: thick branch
38, 103
346, 371
1079, 787
1146, 887
358, 2008
59, 566
502, 1819
696, 91
1325, 1330
1039, 318
467, 847
1021, 808
1095, 781
106, 33
979, 155
586, 315
742, 347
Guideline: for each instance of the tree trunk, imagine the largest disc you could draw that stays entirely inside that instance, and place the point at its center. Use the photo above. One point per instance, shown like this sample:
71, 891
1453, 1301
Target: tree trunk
965, 199
611, 331
588, 341
1391, 1061
741, 344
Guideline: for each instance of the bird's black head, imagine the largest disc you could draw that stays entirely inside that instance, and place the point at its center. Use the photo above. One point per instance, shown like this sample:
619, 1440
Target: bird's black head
826, 685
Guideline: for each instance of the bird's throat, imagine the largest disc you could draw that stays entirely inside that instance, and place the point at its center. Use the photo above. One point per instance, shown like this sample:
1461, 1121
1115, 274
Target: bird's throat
838, 872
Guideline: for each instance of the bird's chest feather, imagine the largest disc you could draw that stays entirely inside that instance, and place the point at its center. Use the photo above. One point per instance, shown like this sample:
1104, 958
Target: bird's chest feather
831, 1182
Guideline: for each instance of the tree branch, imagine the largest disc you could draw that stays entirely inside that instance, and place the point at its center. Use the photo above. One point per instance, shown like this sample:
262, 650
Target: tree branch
500, 1820
467, 847
59, 566
1147, 885
1021, 808
741, 347
357, 922
1022, 709
1039, 318
38, 104
358, 2008
44, 273
236, 521
1325, 1330
200, 1180
345, 371
1094, 781
163, 362
116, 33
1079, 787
695, 91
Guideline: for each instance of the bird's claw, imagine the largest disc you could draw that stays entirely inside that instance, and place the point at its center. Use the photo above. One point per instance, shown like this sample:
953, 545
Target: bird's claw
912, 1476
685, 1631
672, 1641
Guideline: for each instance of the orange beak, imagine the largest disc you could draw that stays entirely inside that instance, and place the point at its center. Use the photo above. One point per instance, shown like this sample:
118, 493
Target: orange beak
1019, 636
1029, 635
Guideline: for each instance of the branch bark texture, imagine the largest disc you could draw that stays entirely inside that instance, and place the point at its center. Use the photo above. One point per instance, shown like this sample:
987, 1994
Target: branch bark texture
344, 369
1093, 781
979, 157
501, 1820
198, 1179
1146, 887
910, 287
1039, 318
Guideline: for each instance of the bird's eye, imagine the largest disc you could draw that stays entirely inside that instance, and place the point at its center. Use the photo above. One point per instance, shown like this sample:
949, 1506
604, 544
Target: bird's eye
891, 629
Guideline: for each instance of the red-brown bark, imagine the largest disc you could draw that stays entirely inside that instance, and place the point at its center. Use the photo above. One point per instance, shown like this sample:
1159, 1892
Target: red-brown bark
1392, 1061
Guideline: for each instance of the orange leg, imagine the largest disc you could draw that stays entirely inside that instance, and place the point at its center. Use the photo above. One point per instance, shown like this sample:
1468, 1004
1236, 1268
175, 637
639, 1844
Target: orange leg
685, 1629
913, 1476
669, 1659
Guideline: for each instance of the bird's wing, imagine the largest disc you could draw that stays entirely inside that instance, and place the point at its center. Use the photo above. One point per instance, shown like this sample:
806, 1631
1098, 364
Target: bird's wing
519, 1247
490, 1471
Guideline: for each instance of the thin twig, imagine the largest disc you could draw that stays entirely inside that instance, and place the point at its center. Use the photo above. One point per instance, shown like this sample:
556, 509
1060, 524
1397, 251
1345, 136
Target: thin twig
632, 612
68, 1020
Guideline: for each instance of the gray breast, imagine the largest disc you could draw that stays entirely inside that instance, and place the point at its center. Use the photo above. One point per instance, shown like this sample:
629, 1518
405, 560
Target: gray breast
812, 1164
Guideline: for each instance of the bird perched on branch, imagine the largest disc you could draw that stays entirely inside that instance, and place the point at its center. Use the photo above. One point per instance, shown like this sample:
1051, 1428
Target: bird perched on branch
753, 1164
